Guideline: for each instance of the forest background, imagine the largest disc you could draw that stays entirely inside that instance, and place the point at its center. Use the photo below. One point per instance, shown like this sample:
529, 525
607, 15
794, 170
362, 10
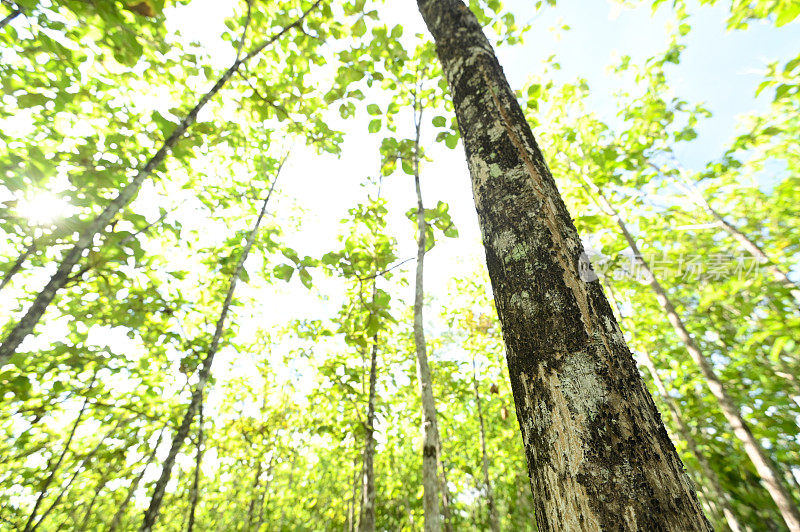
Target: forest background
671, 109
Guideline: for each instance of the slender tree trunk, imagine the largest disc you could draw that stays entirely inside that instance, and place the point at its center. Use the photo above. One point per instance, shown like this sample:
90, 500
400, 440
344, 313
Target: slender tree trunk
351, 508
598, 454
443, 485
198, 462
151, 514
17, 266
494, 523
98, 226
433, 520
754, 249
367, 521
254, 498
764, 467
29, 525
120, 513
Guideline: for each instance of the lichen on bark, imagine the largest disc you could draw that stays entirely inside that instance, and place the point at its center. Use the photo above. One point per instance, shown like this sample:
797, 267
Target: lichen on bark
598, 454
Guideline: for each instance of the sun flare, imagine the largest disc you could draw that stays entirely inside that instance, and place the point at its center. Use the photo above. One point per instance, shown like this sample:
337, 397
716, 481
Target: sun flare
43, 209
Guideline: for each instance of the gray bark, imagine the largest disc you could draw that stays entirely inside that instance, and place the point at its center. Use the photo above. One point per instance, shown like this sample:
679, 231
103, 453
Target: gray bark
765, 469
98, 226
430, 443
720, 495
598, 454
151, 514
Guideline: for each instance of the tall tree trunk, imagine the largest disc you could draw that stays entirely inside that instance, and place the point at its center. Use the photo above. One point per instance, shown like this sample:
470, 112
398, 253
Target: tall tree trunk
764, 467
198, 462
98, 226
443, 485
366, 523
32, 524
430, 444
598, 454
151, 514
120, 513
487, 485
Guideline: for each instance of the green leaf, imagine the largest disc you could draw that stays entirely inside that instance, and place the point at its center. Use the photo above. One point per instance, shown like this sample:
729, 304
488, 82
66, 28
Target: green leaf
374, 109
787, 14
439, 121
305, 277
374, 125
283, 271
360, 27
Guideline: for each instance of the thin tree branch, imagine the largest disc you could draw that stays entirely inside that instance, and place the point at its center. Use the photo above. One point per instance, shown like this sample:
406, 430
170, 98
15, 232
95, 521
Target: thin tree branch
11, 16
77, 472
25, 326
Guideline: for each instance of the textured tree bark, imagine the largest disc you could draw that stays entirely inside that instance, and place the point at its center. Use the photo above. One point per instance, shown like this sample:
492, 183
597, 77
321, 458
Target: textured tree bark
98, 226
366, 523
768, 472
598, 454
430, 443
487, 485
